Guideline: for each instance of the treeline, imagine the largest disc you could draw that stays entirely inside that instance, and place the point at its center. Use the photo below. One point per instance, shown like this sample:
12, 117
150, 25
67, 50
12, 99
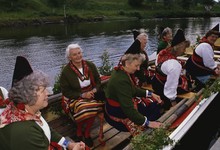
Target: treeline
15, 5
52, 11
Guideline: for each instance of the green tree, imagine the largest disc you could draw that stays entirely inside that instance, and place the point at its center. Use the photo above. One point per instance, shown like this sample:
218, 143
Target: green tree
135, 3
208, 4
10, 4
185, 4
167, 3
55, 3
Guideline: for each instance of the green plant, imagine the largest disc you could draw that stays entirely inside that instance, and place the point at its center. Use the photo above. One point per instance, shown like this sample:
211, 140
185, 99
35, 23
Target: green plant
154, 140
106, 67
56, 86
215, 87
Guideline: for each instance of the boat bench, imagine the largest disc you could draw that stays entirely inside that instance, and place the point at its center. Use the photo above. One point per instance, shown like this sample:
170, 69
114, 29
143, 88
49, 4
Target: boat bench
113, 139
185, 95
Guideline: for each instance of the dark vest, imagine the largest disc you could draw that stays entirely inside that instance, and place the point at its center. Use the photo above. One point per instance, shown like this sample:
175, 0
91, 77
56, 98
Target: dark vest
195, 66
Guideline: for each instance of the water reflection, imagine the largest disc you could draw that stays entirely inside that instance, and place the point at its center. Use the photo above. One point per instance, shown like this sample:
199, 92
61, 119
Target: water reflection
45, 46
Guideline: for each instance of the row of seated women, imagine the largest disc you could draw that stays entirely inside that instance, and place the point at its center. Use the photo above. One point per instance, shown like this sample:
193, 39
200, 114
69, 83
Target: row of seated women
84, 100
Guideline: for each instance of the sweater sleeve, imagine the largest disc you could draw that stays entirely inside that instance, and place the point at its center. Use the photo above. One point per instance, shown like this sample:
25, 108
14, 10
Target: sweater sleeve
125, 92
69, 84
28, 135
95, 75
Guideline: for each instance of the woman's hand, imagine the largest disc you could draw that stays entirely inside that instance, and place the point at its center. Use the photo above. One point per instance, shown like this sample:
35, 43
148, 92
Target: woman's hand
157, 98
76, 146
155, 124
88, 95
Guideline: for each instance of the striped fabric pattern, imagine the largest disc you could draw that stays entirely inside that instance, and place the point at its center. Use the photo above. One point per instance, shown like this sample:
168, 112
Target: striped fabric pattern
84, 109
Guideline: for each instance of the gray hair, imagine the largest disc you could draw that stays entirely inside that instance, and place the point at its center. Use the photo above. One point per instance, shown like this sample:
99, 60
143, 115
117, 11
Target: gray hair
131, 57
142, 35
71, 46
25, 90
166, 31
179, 46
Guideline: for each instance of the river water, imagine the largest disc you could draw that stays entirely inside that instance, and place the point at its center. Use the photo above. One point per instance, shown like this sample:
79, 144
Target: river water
44, 46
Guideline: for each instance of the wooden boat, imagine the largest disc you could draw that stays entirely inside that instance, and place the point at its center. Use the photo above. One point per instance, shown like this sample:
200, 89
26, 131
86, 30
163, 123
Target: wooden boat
180, 117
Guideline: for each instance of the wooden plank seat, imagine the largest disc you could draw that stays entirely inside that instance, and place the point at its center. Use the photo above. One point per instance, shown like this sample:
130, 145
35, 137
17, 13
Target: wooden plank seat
185, 95
113, 139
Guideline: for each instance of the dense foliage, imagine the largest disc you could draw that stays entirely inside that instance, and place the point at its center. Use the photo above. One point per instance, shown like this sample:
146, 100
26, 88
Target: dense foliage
135, 3
85, 8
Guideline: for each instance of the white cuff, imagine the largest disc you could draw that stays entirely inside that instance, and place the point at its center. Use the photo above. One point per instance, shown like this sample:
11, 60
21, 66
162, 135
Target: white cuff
61, 141
148, 93
146, 120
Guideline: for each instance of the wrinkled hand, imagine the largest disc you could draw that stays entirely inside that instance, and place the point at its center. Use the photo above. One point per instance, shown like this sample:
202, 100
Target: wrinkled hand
88, 95
157, 98
79, 146
155, 124
76, 146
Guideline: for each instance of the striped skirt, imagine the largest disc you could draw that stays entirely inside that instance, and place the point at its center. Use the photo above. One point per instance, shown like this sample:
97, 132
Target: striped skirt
84, 109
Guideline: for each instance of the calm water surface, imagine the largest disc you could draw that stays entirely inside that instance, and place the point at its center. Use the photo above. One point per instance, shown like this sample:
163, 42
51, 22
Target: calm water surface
45, 46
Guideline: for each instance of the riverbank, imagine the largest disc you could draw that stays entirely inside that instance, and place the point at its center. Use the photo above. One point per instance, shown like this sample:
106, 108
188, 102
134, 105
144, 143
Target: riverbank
22, 22
95, 11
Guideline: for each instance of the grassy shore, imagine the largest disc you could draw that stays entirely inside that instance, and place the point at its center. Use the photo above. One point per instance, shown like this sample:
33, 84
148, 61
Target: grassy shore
36, 12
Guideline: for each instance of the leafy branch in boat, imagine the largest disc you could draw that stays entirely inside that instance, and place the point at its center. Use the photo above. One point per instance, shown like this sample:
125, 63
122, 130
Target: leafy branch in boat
157, 139
107, 66
209, 90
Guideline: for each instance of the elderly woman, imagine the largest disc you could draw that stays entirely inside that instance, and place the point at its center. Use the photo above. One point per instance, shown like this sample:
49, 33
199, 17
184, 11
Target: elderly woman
125, 110
165, 39
21, 124
168, 81
82, 97
139, 45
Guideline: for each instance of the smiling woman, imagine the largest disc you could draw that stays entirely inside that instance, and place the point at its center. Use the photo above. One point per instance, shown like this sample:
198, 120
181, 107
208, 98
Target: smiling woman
22, 115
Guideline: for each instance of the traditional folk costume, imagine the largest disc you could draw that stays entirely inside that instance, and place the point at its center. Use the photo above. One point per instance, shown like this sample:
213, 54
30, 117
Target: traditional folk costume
127, 108
168, 81
74, 83
20, 130
201, 64
3, 96
143, 75
162, 45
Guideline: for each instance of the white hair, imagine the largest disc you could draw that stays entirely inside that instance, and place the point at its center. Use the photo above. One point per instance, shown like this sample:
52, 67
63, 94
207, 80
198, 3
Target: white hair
142, 35
4, 92
72, 46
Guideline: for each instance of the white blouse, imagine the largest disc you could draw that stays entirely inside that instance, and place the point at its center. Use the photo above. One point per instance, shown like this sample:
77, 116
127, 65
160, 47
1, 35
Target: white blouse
84, 83
172, 68
205, 51
45, 127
